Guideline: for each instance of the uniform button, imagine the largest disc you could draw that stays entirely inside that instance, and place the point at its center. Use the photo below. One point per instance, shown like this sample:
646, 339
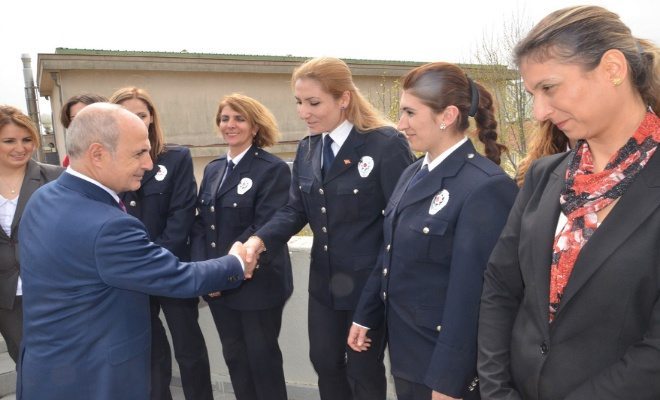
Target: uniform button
387, 248
213, 244
212, 227
471, 155
544, 348
320, 190
355, 191
324, 229
325, 247
426, 230
235, 205
382, 212
322, 210
384, 271
132, 203
299, 187
212, 209
384, 295
438, 328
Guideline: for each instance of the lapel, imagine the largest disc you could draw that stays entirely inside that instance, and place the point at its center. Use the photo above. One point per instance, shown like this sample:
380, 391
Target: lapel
87, 189
31, 182
241, 169
313, 155
401, 187
216, 176
448, 167
640, 200
542, 236
348, 156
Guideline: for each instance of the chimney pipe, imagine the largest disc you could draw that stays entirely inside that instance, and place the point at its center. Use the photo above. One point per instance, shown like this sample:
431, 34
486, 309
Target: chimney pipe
31, 96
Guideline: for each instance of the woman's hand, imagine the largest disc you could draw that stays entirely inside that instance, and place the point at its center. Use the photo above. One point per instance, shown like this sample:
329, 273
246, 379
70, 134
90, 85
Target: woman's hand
440, 396
357, 338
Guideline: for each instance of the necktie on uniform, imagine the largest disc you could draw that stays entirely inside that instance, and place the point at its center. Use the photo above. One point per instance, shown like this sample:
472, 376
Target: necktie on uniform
328, 155
228, 169
419, 175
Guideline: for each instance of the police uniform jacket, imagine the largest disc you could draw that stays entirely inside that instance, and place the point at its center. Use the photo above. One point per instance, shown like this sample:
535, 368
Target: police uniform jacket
251, 194
438, 236
344, 210
165, 202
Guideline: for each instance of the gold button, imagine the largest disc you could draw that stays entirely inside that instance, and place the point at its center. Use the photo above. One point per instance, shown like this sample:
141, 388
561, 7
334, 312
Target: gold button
325, 247
213, 244
384, 271
324, 229
426, 230
322, 210
212, 209
132, 203
212, 227
320, 190
355, 191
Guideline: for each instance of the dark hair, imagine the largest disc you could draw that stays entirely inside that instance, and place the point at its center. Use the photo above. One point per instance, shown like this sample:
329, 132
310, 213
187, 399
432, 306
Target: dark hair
439, 85
85, 98
582, 34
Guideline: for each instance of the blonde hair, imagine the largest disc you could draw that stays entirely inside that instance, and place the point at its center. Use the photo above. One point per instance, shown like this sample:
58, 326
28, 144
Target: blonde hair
156, 138
256, 114
335, 78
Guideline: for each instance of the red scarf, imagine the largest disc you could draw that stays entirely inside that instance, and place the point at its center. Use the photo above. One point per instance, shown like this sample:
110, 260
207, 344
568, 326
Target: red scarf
585, 193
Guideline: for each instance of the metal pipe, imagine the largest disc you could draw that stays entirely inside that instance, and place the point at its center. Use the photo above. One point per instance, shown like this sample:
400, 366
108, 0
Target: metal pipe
31, 97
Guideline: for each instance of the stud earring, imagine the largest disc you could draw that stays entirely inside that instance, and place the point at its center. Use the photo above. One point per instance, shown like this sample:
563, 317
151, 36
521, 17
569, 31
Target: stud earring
443, 126
617, 81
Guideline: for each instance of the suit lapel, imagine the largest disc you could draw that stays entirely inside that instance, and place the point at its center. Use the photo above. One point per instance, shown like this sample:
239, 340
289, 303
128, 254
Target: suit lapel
642, 196
447, 168
348, 156
31, 182
87, 189
241, 169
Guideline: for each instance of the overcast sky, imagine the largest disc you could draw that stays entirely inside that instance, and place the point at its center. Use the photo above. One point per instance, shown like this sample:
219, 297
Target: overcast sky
414, 30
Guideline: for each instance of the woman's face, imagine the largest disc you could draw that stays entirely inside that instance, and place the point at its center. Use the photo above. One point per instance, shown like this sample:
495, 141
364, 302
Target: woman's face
420, 124
578, 102
320, 111
236, 130
16, 146
139, 108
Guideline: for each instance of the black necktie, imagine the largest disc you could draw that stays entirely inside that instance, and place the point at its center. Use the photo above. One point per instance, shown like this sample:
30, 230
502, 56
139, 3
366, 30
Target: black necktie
228, 169
419, 175
328, 154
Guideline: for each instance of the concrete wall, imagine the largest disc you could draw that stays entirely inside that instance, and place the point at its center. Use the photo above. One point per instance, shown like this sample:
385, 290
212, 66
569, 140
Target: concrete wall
298, 370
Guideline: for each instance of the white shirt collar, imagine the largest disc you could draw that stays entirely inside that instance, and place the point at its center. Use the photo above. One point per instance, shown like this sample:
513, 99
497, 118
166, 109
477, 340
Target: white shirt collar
238, 158
434, 163
339, 135
93, 181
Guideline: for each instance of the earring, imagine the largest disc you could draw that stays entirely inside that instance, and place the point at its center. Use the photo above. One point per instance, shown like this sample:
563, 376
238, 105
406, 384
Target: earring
617, 81
443, 126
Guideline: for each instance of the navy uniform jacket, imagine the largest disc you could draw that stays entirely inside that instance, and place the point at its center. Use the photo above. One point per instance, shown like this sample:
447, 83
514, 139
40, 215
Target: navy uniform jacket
87, 270
438, 237
165, 202
344, 211
234, 213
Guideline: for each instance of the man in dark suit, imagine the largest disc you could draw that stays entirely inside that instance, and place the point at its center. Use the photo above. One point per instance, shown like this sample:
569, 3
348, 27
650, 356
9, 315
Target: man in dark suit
88, 268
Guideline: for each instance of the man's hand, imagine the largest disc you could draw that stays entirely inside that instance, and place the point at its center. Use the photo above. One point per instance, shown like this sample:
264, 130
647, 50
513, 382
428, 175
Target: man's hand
253, 247
439, 396
238, 250
357, 338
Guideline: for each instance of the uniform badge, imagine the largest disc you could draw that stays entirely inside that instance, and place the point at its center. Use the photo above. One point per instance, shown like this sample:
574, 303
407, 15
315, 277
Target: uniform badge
365, 166
439, 202
244, 185
162, 173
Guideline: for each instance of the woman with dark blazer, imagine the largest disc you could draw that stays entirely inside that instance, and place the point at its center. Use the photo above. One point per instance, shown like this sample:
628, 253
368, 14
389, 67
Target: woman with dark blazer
165, 203
20, 176
571, 305
240, 191
441, 223
343, 174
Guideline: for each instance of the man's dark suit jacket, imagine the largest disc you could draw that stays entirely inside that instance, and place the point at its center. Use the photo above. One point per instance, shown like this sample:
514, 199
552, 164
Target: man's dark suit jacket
604, 342
87, 270
344, 210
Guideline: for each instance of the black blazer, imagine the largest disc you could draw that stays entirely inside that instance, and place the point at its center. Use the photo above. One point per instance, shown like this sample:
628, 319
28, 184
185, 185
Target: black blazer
344, 211
165, 202
251, 194
604, 342
36, 175
438, 237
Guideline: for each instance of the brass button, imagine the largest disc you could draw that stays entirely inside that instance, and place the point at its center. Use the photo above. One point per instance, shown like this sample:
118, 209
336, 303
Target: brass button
322, 210
213, 244
132, 203
426, 230
320, 190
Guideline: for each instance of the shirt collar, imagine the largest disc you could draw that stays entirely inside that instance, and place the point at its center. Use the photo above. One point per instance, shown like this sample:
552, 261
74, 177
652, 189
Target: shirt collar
93, 181
238, 158
434, 163
340, 133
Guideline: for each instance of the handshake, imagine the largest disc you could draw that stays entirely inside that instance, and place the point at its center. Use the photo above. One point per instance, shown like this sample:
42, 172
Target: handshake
249, 253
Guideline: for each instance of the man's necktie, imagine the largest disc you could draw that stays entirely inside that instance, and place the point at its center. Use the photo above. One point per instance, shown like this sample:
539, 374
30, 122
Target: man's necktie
328, 155
122, 205
419, 175
228, 169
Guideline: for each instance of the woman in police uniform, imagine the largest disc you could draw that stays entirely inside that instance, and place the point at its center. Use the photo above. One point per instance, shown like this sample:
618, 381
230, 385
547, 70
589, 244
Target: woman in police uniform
240, 191
343, 175
441, 224
165, 203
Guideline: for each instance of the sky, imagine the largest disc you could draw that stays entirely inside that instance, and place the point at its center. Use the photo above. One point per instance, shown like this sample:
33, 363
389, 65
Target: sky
411, 30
